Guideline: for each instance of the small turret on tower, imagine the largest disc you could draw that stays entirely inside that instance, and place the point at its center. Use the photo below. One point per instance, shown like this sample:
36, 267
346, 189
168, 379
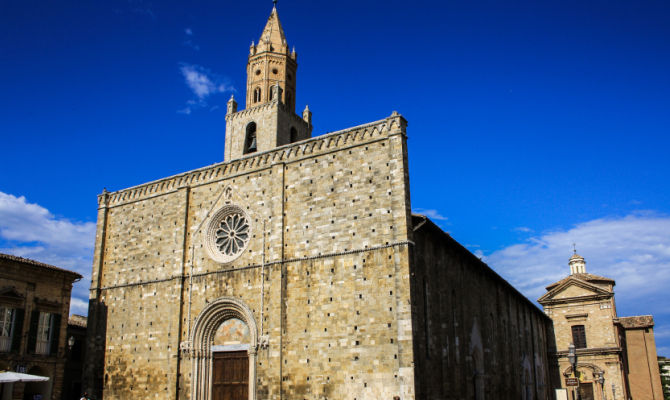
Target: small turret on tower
307, 115
232, 105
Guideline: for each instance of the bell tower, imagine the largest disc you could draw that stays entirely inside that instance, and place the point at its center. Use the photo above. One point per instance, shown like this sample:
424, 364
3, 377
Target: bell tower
269, 119
271, 64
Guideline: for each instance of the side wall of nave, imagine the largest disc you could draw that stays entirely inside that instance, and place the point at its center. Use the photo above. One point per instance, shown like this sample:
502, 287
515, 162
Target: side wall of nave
476, 337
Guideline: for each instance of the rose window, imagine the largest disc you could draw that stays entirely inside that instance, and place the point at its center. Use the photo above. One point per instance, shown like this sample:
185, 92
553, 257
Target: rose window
228, 234
233, 234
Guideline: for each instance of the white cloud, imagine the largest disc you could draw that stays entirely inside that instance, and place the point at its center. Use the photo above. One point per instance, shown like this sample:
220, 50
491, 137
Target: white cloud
523, 229
25, 222
31, 231
189, 39
431, 213
203, 83
633, 250
78, 306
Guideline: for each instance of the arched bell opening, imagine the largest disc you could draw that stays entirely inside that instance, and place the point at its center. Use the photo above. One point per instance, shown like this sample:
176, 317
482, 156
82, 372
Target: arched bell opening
257, 95
250, 144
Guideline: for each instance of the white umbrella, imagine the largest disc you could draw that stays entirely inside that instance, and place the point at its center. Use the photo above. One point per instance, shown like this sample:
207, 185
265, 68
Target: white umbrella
6, 377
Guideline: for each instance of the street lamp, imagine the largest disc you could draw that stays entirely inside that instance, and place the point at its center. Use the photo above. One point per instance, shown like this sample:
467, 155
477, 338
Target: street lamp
70, 342
572, 358
601, 380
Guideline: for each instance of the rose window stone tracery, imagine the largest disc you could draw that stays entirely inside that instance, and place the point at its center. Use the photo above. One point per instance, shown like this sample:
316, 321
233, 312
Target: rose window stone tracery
228, 234
233, 234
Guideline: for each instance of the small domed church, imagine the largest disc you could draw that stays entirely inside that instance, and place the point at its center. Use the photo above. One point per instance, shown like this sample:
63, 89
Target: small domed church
295, 269
607, 356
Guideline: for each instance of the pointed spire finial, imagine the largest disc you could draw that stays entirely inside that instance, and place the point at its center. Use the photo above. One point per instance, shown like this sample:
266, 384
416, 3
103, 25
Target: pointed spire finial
274, 4
574, 248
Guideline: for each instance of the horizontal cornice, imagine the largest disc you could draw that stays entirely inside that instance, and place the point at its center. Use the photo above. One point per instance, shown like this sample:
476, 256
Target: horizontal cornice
590, 352
579, 299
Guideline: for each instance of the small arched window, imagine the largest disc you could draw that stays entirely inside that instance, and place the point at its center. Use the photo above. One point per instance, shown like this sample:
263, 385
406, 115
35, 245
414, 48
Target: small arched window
250, 144
271, 93
294, 135
257, 95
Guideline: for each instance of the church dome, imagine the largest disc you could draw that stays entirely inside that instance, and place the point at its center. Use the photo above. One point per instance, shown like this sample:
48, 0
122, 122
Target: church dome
576, 257
577, 264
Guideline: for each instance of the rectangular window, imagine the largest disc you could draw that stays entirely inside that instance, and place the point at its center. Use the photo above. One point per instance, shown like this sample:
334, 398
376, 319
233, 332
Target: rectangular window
44, 333
579, 336
6, 328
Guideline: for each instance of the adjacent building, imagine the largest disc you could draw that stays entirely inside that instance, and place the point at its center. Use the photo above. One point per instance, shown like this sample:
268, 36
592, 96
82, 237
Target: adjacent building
615, 356
664, 367
75, 357
34, 308
294, 269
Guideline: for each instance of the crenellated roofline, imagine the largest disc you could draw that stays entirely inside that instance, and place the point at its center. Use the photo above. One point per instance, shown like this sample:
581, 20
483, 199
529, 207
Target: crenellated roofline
354, 136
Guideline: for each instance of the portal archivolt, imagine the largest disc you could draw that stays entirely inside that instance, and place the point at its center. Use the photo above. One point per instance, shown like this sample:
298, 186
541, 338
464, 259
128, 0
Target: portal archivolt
202, 338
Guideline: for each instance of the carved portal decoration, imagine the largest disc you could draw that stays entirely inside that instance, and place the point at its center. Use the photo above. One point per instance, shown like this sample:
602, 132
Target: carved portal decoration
228, 234
204, 331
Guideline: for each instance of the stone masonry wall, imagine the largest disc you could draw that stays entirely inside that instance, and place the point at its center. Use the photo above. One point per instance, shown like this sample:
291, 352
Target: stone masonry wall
273, 121
475, 336
336, 292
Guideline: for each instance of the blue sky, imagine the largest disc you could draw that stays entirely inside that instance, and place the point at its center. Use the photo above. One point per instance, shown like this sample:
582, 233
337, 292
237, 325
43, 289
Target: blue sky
532, 125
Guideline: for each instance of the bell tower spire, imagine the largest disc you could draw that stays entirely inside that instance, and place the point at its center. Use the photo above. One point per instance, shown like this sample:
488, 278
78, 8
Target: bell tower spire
269, 119
271, 63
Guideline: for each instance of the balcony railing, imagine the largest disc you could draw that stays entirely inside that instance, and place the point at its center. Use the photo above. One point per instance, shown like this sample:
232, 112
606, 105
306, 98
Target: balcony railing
42, 347
5, 344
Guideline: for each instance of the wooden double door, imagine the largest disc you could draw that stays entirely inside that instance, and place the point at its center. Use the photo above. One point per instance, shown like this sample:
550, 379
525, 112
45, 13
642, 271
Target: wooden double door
586, 391
230, 376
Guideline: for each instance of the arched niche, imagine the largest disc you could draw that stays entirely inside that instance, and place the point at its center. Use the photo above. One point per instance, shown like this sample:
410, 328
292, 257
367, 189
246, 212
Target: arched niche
204, 336
250, 141
293, 135
591, 369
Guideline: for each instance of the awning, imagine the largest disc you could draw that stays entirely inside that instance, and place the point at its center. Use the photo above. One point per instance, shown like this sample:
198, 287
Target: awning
6, 377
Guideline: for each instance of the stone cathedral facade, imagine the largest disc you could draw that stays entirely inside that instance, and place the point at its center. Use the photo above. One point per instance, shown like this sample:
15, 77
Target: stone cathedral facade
294, 269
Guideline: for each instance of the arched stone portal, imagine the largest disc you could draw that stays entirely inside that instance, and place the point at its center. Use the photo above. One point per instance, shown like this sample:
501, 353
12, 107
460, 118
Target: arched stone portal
205, 329
588, 376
